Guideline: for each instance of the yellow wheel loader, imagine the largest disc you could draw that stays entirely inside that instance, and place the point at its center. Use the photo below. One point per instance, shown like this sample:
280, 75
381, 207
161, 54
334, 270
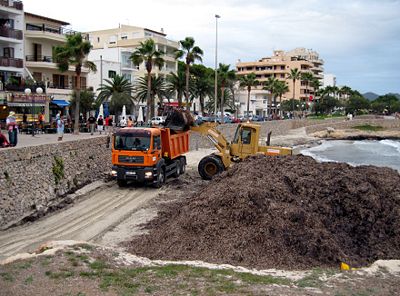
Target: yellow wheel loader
245, 143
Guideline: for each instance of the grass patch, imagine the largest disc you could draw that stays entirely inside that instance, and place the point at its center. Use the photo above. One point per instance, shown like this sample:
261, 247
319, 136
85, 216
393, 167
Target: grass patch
7, 277
24, 265
98, 265
63, 274
313, 280
28, 280
46, 261
83, 246
369, 128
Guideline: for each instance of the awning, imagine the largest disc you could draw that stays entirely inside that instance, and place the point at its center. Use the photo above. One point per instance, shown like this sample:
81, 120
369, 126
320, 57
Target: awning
60, 103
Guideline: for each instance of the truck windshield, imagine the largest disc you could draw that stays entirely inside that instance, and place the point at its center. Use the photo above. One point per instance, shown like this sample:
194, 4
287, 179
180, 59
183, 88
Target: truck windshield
132, 142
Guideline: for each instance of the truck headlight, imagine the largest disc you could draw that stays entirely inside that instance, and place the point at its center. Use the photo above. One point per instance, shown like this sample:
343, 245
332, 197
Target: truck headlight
113, 173
154, 158
148, 174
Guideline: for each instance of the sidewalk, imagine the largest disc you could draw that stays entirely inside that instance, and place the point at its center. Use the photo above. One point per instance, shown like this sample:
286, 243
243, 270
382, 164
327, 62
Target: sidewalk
40, 139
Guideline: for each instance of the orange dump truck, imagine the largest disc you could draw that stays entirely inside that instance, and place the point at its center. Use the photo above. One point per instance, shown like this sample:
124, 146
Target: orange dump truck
148, 155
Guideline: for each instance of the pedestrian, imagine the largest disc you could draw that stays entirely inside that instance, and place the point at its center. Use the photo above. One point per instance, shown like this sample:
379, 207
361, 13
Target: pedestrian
130, 122
122, 122
3, 141
12, 128
24, 119
100, 123
60, 127
92, 123
110, 124
41, 119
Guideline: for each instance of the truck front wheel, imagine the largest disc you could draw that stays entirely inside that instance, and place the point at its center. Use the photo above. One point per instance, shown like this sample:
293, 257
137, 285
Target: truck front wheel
160, 178
121, 182
210, 166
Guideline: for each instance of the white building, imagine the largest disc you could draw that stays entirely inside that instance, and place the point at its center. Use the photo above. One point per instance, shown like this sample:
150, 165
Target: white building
329, 80
11, 41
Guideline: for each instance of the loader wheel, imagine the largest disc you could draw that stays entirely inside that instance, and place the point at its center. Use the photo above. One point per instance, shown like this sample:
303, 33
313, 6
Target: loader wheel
210, 166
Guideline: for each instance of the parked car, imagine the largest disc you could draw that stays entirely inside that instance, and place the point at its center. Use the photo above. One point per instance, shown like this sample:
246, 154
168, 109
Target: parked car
157, 120
227, 119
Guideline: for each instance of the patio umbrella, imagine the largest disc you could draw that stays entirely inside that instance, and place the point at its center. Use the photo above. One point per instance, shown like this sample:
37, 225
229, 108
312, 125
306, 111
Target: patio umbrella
123, 111
101, 111
140, 117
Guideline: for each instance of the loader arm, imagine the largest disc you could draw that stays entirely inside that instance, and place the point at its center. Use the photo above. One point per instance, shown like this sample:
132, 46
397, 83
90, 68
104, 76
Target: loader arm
215, 136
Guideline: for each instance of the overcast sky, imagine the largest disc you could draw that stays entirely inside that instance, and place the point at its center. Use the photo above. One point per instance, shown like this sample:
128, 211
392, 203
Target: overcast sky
358, 40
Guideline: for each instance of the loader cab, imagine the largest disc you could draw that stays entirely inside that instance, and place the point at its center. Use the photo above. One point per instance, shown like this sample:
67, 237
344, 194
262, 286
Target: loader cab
245, 141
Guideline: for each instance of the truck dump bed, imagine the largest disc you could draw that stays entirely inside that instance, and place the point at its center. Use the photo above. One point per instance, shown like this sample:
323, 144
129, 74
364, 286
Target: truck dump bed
174, 145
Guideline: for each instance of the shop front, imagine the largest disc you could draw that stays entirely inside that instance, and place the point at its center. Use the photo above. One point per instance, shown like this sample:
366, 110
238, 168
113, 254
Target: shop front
27, 106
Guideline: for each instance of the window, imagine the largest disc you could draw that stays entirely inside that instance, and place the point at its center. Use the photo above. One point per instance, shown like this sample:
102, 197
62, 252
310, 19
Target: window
147, 34
112, 39
157, 143
8, 52
127, 77
246, 136
98, 39
124, 37
37, 76
111, 74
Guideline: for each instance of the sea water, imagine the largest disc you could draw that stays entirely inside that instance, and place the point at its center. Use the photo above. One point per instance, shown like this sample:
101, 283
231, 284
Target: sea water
385, 153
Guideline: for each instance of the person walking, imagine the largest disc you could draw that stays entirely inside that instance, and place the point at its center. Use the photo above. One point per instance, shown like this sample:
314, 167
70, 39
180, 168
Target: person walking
110, 124
12, 127
100, 123
122, 122
130, 122
92, 123
60, 127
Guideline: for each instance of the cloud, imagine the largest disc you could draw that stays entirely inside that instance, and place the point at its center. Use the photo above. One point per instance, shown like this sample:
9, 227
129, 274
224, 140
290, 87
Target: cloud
361, 35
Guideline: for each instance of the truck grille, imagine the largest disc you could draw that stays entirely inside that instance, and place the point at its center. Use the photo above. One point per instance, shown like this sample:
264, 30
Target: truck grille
131, 159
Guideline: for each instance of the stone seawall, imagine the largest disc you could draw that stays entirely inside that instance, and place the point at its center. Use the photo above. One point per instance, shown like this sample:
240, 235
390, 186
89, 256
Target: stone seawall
37, 178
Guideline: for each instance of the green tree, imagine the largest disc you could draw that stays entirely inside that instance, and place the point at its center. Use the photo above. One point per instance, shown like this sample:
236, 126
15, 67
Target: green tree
280, 88
158, 89
176, 84
86, 101
74, 53
326, 105
225, 76
147, 53
345, 91
270, 85
356, 103
294, 75
308, 77
385, 104
118, 91
248, 81
191, 54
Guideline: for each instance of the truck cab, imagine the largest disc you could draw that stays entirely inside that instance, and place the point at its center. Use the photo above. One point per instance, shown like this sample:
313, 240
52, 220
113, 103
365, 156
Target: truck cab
141, 155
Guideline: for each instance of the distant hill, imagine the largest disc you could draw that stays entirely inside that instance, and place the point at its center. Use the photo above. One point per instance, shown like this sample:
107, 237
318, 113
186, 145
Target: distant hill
370, 96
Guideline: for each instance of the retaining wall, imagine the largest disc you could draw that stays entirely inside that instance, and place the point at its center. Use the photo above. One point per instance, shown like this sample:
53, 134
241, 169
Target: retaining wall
34, 179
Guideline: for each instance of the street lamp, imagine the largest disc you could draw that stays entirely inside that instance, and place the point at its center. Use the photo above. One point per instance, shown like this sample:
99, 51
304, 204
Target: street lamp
28, 92
216, 64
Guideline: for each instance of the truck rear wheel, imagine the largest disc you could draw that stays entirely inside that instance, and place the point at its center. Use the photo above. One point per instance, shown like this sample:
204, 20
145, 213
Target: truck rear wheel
178, 170
210, 166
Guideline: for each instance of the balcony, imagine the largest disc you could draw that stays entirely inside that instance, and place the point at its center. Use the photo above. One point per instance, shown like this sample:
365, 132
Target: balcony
11, 33
11, 62
38, 58
21, 87
13, 4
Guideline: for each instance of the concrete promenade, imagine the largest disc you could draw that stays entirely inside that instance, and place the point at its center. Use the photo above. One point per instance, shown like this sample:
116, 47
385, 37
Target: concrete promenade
25, 140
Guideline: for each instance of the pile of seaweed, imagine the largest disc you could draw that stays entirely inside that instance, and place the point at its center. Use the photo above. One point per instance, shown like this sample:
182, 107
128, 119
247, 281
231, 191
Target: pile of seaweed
282, 212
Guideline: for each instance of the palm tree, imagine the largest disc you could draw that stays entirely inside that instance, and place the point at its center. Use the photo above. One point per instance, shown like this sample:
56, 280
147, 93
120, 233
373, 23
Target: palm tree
118, 91
248, 81
225, 75
147, 53
345, 90
308, 77
74, 53
176, 83
202, 87
295, 74
192, 53
280, 88
158, 88
270, 86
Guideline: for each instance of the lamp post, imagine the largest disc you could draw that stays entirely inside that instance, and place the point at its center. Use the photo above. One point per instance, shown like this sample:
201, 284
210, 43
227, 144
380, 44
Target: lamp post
28, 92
216, 65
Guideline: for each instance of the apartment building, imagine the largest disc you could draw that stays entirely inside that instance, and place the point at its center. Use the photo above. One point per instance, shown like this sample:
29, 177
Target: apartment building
11, 48
113, 47
42, 35
279, 66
